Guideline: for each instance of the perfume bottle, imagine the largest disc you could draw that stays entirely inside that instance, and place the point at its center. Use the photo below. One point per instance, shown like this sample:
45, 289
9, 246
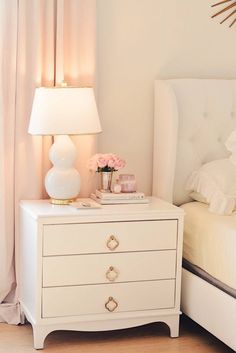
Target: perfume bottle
117, 187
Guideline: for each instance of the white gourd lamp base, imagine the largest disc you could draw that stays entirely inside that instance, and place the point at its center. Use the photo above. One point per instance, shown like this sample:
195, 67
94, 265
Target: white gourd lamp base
62, 181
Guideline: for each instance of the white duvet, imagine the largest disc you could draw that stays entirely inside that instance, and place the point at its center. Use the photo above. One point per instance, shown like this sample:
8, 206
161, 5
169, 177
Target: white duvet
210, 242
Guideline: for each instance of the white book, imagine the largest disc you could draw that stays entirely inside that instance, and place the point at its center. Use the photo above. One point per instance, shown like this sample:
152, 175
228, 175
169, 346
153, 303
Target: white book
120, 196
118, 201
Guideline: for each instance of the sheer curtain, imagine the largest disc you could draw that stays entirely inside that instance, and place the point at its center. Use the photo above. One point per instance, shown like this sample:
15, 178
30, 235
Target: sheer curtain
41, 42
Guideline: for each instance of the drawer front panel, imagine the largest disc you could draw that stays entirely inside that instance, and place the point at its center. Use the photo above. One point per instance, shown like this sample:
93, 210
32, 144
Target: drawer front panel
68, 239
110, 299
107, 268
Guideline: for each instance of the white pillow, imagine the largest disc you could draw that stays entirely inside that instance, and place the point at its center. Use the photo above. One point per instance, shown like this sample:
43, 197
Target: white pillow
198, 197
216, 182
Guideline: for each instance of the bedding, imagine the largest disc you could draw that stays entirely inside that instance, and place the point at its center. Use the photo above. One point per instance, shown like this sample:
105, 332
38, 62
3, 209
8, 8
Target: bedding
196, 196
209, 240
215, 181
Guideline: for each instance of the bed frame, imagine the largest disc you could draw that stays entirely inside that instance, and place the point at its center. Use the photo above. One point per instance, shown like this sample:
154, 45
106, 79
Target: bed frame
193, 118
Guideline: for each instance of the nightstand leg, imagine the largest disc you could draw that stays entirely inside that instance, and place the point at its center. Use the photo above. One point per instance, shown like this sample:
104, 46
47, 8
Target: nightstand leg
40, 333
173, 323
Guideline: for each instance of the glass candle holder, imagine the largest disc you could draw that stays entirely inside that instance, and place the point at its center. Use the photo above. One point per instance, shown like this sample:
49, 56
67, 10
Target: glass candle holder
128, 183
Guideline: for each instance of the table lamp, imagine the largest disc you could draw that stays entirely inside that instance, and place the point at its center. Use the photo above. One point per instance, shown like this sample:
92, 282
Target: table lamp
63, 111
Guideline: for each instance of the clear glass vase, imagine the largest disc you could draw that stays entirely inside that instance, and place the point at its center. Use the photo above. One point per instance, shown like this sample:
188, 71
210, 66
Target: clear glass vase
105, 181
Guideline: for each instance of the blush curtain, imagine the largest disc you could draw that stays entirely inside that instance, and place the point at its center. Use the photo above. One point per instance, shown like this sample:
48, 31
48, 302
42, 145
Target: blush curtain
41, 43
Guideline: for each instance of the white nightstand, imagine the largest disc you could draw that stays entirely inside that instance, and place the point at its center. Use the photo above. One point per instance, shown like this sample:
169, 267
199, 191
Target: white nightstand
102, 269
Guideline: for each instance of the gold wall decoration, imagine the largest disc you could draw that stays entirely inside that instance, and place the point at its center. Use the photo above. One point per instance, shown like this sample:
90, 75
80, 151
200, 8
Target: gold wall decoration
226, 10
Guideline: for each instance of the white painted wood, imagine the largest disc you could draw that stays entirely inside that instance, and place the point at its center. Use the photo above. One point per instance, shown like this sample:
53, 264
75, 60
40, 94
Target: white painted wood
83, 300
41, 331
210, 307
30, 265
93, 238
100, 268
149, 249
173, 322
43, 211
179, 262
153, 315
100, 322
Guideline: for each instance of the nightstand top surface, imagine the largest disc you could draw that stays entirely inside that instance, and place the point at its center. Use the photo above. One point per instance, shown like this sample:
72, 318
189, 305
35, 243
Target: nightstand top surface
155, 209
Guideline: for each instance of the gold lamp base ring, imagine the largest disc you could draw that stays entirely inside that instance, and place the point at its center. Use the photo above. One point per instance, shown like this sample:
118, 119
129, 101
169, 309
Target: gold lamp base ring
61, 202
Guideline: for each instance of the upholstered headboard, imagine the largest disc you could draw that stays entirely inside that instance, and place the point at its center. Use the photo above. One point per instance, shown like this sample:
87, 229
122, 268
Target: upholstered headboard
193, 118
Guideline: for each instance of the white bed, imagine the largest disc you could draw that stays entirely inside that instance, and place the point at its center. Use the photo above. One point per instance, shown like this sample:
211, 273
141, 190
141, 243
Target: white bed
193, 118
207, 235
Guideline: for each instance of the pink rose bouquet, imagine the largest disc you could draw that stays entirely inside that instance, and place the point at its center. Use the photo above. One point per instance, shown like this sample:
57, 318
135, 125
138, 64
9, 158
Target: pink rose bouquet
108, 162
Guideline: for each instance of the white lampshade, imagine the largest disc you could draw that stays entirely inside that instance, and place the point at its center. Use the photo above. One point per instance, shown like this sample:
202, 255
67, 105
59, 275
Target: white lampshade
64, 111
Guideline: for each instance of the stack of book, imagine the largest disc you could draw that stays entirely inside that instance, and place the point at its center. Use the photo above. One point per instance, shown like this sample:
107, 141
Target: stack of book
110, 198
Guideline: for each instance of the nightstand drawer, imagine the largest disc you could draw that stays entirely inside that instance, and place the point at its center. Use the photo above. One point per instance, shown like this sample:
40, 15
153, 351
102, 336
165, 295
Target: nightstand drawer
108, 268
67, 239
114, 298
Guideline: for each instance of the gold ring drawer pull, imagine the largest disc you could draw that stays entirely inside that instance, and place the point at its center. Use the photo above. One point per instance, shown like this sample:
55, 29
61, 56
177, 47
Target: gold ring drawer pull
112, 274
112, 243
111, 304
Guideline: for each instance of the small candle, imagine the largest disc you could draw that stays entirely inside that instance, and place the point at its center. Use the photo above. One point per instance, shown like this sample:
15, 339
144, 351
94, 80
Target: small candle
128, 183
